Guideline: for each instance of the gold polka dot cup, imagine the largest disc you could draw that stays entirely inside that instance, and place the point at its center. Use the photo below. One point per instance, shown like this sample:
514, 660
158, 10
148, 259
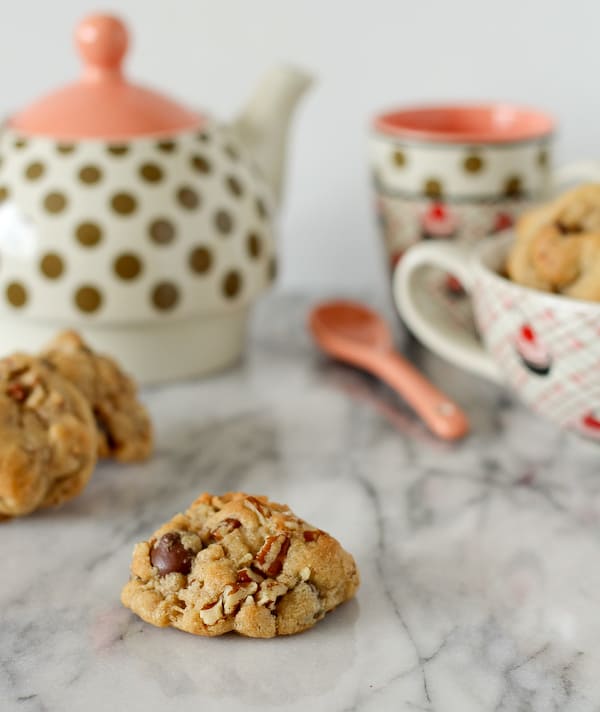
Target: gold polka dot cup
147, 226
457, 172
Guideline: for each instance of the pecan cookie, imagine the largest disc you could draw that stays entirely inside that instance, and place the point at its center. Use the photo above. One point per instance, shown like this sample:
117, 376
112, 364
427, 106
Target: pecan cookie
124, 428
558, 246
48, 443
238, 563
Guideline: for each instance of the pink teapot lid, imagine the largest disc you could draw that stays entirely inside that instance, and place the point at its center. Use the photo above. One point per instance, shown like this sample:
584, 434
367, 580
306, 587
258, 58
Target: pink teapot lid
103, 104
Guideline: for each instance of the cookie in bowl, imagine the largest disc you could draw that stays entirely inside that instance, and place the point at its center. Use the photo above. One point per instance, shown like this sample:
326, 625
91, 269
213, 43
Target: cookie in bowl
48, 441
557, 246
238, 563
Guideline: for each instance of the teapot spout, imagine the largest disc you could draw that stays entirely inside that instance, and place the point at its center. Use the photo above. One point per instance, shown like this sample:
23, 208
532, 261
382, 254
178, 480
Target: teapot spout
263, 125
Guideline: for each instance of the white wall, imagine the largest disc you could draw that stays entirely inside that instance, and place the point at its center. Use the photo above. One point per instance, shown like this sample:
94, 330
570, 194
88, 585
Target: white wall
366, 54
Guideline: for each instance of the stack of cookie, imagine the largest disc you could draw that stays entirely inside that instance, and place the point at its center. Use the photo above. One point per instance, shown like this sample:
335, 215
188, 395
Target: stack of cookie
59, 412
558, 246
235, 562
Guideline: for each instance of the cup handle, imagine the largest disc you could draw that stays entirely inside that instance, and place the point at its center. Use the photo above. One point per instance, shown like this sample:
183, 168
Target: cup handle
575, 172
456, 345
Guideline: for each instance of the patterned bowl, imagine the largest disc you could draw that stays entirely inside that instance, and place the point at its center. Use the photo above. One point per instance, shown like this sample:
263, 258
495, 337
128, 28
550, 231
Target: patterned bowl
545, 346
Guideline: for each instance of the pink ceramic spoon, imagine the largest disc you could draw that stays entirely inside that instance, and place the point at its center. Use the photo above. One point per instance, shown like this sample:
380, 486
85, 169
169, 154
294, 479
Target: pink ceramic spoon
353, 333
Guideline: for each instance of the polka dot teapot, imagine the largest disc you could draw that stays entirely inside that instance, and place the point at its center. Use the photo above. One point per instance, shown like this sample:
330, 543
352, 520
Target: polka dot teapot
143, 224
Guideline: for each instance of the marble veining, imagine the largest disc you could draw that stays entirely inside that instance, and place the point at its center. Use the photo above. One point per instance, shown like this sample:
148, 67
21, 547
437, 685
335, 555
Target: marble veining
479, 560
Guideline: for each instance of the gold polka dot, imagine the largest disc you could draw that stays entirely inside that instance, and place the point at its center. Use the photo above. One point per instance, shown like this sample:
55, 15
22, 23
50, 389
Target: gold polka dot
272, 269
543, 158
188, 198
235, 186
90, 174
151, 172
88, 234
254, 245
65, 148
166, 146
55, 202
34, 170
88, 299
161, 231
232, 152
123, 203
16, 294
261, 209
399, 158
20, 143
232, 283
51, 265
223, 222
200, 260
200, 164
165, 296
432, 188
127, 266
513, 187
117, 149
4, 193
473, 164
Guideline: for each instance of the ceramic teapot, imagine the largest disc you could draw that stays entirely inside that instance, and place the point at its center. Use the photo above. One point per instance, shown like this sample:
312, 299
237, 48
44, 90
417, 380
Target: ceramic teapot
141, 223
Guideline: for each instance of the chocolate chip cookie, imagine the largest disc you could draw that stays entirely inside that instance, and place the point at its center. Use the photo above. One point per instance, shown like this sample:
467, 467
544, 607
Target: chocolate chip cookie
238, 563
124, 428
48, 441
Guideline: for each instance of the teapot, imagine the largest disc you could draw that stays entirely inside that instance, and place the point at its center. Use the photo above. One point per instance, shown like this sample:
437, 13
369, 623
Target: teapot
145, 225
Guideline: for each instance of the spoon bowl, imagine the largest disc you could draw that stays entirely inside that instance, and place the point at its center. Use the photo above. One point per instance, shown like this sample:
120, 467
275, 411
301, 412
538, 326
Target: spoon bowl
357, 335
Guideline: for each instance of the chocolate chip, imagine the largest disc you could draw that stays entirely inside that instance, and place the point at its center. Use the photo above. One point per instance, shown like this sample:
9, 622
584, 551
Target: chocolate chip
566, 229
169, 555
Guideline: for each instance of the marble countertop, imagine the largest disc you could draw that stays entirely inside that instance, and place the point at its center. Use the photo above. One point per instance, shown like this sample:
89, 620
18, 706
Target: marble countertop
479, 561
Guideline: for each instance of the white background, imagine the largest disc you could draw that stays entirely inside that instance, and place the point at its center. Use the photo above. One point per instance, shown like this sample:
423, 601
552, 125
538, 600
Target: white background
366, 55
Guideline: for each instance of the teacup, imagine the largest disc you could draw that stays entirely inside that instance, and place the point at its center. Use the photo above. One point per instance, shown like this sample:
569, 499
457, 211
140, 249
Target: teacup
546, 346
459, 172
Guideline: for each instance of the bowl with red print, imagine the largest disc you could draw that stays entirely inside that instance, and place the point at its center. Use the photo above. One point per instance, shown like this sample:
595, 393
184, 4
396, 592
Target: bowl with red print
546, 347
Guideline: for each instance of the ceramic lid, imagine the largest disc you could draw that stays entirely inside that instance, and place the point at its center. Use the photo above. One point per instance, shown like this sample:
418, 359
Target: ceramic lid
103, 104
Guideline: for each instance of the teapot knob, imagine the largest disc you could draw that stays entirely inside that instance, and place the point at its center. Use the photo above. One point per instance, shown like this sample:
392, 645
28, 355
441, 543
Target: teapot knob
102, 42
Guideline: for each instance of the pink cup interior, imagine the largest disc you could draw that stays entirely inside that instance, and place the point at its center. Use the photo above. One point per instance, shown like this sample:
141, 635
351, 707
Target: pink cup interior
477, 123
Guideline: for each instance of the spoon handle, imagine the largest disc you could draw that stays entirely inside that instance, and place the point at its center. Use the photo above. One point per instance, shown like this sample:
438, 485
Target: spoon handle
442, 415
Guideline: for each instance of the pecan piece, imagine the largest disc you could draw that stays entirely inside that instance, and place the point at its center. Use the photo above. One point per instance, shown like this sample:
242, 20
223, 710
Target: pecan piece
234, 595
248, 576
311, 535
17, 391
256, 506
272, 554
212, 613
224, 528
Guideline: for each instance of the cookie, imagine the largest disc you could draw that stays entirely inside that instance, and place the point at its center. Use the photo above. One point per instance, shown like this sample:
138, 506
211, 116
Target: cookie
238, 563
558, 246
48, 442
124, 427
